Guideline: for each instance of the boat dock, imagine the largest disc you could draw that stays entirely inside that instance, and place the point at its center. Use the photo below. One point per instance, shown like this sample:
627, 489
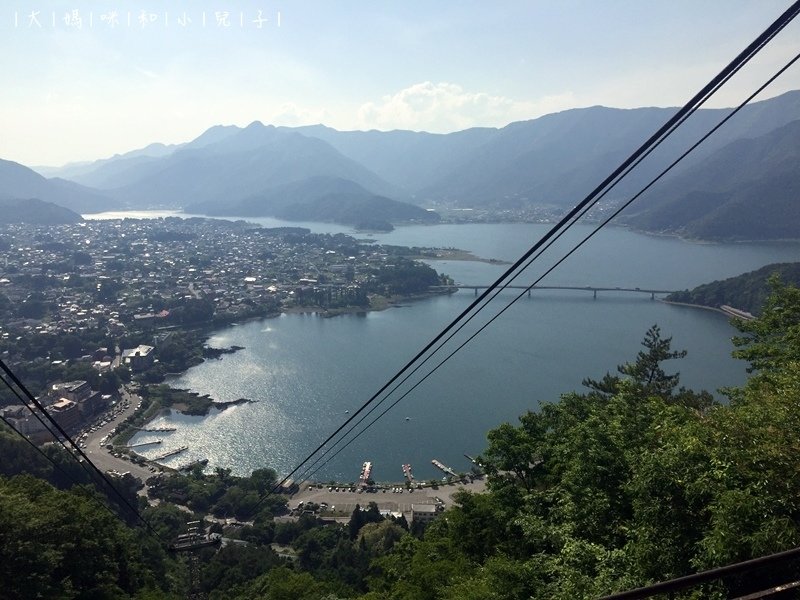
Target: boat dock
366, 472
408, 474
145, 444
156, 429
170, 453
473, 461
444, 468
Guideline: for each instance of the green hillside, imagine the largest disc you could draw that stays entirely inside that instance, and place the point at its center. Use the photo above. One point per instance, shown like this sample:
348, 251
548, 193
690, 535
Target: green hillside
748, 190
746, 292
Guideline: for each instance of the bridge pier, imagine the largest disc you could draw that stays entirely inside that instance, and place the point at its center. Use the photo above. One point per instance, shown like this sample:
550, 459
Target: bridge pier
594, 294
653, 296
529, 293
476, 291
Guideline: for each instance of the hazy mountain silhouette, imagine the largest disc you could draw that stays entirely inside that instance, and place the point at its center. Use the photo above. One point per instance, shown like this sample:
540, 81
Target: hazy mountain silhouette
750, 189
553, 160
19, 182
319, 198
32, 210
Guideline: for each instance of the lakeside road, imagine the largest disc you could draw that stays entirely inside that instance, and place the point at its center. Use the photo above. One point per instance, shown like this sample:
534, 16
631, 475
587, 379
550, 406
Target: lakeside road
345, 501
102, 458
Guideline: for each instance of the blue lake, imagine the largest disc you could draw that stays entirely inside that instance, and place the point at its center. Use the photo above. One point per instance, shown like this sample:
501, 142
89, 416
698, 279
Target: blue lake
308, 374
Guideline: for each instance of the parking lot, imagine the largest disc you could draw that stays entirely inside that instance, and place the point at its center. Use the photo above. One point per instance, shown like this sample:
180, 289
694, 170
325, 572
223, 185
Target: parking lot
343, 501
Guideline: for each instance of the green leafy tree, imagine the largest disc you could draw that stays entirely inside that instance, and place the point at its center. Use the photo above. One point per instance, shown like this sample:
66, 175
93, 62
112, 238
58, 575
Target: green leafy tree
772, 340
648, 374
59, 544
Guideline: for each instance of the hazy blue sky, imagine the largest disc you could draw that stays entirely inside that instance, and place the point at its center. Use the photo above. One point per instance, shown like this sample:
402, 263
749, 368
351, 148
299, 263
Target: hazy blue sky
76, 93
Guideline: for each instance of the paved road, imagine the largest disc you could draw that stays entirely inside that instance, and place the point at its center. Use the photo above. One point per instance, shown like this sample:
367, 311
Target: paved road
101, 457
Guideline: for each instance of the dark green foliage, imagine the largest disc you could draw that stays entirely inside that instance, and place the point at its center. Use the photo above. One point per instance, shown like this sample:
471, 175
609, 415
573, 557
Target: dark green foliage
746, 292
772, 341
373, 225
180, 351
407, 277
81, 258
235, 565
32, 308
648, 376
223, 494
191, 310
18, 457
285, 584
361, 517
57, 544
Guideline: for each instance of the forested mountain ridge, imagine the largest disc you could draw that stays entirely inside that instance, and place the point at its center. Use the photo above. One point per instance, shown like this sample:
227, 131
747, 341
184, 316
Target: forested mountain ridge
750, 189
747, 292
634, 481
241, 164
551, 159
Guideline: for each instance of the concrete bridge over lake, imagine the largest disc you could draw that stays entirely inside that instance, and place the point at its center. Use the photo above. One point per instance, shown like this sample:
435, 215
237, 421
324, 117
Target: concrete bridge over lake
586, 288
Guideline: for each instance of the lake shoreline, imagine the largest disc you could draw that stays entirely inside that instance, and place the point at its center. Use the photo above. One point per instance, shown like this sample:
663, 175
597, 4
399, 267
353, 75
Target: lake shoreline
309, 372
700, 306
211, 353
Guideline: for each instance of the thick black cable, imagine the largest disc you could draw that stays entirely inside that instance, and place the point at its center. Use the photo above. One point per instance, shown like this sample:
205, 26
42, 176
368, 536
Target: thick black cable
83, 465
77, 449
75, 484
560, 261
47, 428
753, 50
714, 84
39, 450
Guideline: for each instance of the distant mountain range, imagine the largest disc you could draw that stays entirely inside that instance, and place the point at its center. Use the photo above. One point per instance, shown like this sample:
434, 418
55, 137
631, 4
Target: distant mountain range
37, 212
18, 182
735, 178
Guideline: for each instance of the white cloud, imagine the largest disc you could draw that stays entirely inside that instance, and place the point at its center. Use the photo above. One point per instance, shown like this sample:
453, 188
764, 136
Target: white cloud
292, 115
444, 107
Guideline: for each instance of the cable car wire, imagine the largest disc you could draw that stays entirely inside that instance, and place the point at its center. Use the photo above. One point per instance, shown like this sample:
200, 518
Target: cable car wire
59, 468
734, 66
77, 449
309, 472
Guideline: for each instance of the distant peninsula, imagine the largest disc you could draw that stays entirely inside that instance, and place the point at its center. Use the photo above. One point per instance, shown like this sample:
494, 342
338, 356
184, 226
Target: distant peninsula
322, 199
746, 292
